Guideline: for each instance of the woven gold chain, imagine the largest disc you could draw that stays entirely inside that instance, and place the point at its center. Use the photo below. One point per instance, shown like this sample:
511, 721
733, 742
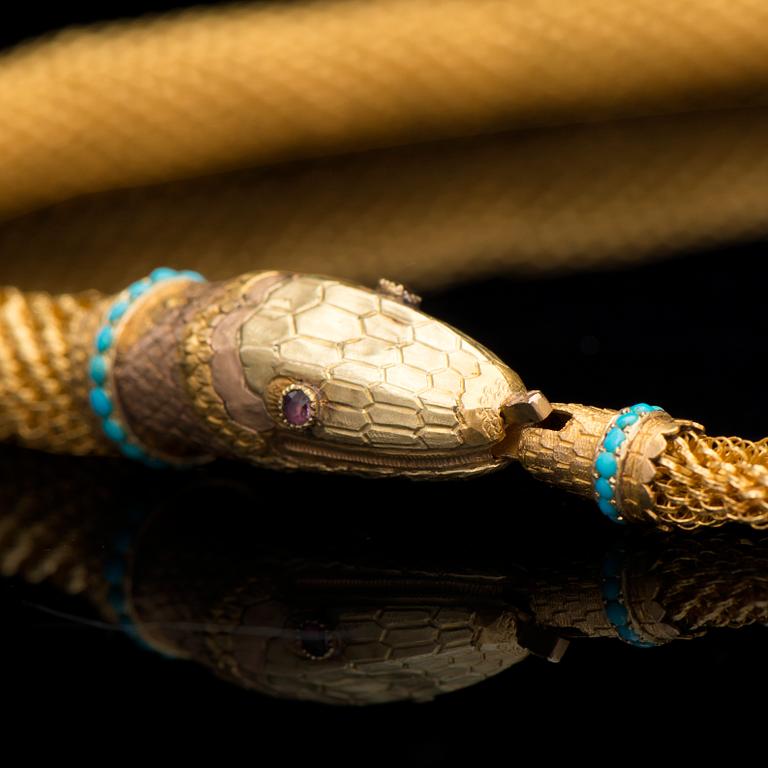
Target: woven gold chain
44, 347
702, 480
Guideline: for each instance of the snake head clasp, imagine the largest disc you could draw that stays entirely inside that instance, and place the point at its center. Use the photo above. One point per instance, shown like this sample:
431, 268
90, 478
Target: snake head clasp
334, 376
310, 372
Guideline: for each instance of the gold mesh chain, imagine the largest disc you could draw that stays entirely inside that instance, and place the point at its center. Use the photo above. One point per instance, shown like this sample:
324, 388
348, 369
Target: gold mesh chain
44, 349
706, 481
720, 584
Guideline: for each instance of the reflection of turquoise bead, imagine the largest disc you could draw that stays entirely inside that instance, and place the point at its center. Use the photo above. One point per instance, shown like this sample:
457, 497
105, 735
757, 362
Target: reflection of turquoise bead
100, 402
123, 542
162, 273
611, 567
98, 369
114, 571
611, 589
614, 439
154, 463
606, 465
116, 312
104, 339
608, 509
616, 613
627, 633
604, 488
626, 420
115, 599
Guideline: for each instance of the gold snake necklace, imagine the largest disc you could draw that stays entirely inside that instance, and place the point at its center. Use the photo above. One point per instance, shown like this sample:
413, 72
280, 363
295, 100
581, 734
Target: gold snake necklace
487, 141
297, 371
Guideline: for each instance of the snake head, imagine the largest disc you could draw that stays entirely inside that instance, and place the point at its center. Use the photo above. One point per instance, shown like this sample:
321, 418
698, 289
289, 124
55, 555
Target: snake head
328, 375
308, 372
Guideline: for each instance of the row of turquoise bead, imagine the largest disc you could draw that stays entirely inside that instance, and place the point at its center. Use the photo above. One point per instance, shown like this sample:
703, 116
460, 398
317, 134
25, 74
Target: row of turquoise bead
613, 599
607, 464
99, 365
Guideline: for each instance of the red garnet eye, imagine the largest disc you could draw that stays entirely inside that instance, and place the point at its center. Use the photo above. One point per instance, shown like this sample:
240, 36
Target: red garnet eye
298, 407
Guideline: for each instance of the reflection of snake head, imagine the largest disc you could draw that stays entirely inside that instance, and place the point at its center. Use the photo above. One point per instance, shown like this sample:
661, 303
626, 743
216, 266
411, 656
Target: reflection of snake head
369, 652
304, 371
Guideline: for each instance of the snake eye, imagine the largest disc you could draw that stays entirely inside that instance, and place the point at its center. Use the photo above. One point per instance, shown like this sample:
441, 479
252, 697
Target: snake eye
298, 406
293, 403
315, 641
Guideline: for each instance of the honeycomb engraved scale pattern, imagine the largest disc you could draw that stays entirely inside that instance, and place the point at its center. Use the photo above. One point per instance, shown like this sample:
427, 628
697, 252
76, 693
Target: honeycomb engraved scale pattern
390, 376
386, 653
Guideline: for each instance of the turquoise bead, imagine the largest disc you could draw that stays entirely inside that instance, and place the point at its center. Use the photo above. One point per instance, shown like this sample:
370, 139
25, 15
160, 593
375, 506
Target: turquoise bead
604, 488
608, 509
100, 402
626, 420
104, 339
190, 274
641, 408
98, 369
138, 288
132, 452
614, 439
606, 465
162, 273
113, 431
611, 589
116, 312
616, 613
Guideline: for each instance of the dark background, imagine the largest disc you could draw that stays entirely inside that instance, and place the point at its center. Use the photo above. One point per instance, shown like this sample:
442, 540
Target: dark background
687, 333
